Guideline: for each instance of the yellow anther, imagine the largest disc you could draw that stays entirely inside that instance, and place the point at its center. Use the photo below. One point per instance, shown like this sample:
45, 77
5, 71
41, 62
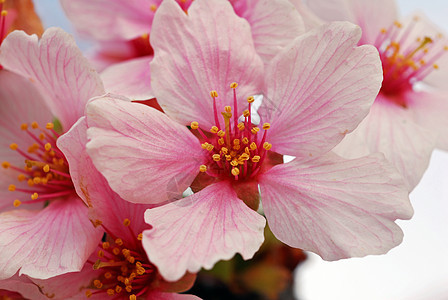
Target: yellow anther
47, 147
435, 66
216, 157
246, 150
110, 292
233, 85
30, 182
203, 168
256, 158
126, 222
107, 275
49, 126
237, 147
131, 259
118, 289
24, 126
221, 133
140, 236
267, 146
116, 251
106, 245
11, 188
126, 253
255, 130
214, 129
4, 13
97, 284
266, 126
153, 7
144, 36
88, 294
236, 141
445, 48
13, 146
224, 150
100, 253
16, 203
41, 136
241, 126
36, 180
33, 148
422, 62
210, 147
221, 141
194, 125
234, 163
34, 125
245, 140
398, 24
132, 297
204, 145
119, 242
214, 94
141, 271
34, 196
253, 146
246, 113
44, 181
46, 168
6, 165
244, 156
21, 177
228, 109
235, 171
250, 99
129, 289
383, 30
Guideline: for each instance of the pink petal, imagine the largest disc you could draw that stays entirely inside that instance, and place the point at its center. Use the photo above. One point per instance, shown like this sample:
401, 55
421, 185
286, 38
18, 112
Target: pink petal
170, 296
206, 50
334, 207
145, 156
199, 230
57, 68
274, 24
110, 20
20, 103
393, 131
131, 79
22, 285
371, 16
318, 89
46, 243
310, 19
105, 205
430, 112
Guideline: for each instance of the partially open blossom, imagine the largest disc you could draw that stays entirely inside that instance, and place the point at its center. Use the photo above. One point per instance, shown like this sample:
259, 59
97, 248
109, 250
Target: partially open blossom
123, 35
408, 119
44, 228
316, 90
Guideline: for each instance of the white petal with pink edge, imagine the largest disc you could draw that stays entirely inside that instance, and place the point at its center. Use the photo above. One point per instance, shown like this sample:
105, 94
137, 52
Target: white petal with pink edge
119, 19
318, 89
47, 243
57, 68
392, 130
372, 16
145, 156
274, 24
334, 207
206, 50
199, 230
131, 79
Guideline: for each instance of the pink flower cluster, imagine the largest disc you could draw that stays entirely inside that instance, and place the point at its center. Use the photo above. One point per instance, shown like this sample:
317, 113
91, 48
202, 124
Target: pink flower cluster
105, 197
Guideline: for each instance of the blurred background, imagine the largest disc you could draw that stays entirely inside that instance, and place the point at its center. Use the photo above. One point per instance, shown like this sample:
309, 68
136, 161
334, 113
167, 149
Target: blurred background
415, 270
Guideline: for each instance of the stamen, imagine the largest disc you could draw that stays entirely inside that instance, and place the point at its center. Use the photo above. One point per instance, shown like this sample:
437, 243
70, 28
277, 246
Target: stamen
17, 203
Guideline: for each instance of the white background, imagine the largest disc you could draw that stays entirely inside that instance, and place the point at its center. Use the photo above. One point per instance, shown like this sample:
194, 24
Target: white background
418, 268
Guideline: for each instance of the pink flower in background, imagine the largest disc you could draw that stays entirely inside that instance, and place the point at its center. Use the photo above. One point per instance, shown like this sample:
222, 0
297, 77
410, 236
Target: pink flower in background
409, 117
316, 90
123, 33
44, 228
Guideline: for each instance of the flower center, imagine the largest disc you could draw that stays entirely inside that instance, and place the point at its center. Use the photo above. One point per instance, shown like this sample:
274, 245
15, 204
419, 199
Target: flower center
406, 60
125, 269
45, 170
234, 151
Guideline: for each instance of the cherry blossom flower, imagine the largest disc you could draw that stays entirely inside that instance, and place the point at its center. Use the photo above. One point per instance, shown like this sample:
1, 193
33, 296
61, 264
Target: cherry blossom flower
123, 30
316, 90
408, 119
44, 228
